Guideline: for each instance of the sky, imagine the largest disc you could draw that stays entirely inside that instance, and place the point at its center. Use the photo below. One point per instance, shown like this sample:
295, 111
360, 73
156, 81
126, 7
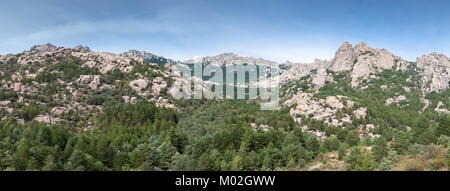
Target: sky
281, 30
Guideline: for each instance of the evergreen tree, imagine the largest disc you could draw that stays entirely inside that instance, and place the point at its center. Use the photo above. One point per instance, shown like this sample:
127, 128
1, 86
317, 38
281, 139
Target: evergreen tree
342, 151
332, 143
352, 138
237, 164
21, 155
351, 159
444, 126
379, 149
364, 162
49, 164
312, 144
401, 141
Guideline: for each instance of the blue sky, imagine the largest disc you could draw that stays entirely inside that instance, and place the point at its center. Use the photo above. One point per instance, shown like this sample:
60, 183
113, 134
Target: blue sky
281, 30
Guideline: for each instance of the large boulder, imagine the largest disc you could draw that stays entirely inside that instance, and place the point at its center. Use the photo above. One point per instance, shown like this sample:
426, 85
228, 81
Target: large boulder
334, 102
47, 119
360, 112
17, 87
94, 81
138, 85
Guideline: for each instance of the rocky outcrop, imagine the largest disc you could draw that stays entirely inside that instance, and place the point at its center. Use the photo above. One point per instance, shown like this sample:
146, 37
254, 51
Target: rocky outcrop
230, 59
436, 72
395, 100
48, 119
344, 59
140, 54
59, 110
320, 77
131, 100
317, 70
426, 102
138, 85
360, 113
106, 62
94, 81
157, 85
17, 87
362, 61
5, 103
264, 128
148, 57
334, 102
42, 54
42, 48
323, 109
81, 48
441, 110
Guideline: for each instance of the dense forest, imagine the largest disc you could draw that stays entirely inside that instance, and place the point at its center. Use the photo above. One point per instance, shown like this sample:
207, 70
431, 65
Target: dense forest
215, 136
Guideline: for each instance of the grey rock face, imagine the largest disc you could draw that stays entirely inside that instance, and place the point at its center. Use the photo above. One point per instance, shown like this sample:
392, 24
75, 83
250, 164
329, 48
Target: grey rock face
140, 54
93, 81
138, 85
81, 48
146, 56
363, 60
344, 59
48, 119
436, 72
43, 48
296, 70
105, 61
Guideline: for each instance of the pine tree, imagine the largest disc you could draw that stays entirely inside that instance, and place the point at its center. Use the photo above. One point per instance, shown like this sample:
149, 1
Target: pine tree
379, 148
21, 155
312, 144
49, 164
401, 141
352, 138
332, 143
444, 126
291, 162
352, 158
237, 164
364, 162
244, 148
342, 151
267, 163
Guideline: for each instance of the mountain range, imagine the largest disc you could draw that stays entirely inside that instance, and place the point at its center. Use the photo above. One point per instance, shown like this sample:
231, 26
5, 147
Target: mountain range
362, 89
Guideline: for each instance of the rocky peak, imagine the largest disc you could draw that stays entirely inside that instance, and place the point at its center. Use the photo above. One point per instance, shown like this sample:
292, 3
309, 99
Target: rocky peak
230, 58
147, 56
363, 60
344, 58
81, 48
140, 54
363, 46
43, 48
436, 72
